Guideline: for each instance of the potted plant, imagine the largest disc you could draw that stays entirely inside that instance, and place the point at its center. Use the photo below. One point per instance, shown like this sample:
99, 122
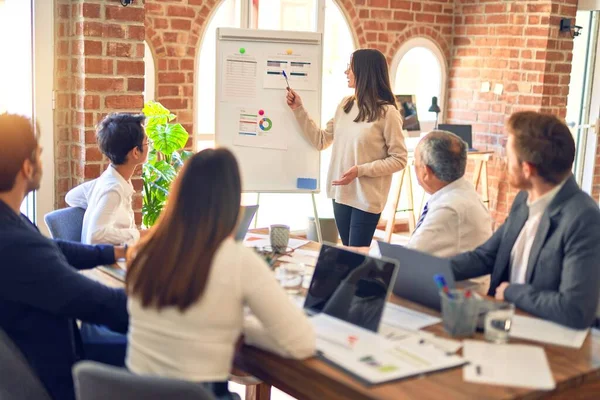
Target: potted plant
165, 158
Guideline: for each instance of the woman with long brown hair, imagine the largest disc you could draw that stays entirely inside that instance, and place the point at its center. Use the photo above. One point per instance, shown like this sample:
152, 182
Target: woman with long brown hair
189, 282
368, 146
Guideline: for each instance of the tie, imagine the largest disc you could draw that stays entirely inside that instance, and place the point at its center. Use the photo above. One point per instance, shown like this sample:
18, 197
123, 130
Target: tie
423, 214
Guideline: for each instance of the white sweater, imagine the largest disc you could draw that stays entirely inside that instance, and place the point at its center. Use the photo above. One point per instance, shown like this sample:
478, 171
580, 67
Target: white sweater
377, 148
199, 344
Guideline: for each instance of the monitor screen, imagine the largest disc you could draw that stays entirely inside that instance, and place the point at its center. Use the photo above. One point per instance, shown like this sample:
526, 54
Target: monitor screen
350, 286
465, 132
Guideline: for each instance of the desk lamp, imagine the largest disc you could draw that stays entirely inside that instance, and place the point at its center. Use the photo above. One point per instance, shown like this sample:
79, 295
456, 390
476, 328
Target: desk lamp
436, 109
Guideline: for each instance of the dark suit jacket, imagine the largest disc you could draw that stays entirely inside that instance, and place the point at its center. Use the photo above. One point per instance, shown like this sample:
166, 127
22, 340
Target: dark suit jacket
42, 293
563, 272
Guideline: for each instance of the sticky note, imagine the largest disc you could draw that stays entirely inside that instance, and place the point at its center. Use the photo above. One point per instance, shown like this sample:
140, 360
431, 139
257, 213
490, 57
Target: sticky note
306, 183
242, 50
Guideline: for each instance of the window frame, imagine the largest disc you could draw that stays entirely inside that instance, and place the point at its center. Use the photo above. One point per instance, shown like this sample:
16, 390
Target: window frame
431, 46
43, 104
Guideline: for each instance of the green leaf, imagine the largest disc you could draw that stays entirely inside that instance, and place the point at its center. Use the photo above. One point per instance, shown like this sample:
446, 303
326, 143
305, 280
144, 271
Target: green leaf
156, 113
186, 154
168, 138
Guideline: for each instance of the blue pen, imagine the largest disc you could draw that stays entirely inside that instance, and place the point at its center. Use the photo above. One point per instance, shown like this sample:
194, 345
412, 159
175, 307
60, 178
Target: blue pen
440, 281
286, 78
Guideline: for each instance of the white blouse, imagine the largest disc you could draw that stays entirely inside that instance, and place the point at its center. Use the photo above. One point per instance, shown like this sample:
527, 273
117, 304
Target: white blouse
109, 217
199, 344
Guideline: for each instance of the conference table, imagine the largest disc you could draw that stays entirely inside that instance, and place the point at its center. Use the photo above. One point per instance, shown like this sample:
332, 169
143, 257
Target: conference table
576, 371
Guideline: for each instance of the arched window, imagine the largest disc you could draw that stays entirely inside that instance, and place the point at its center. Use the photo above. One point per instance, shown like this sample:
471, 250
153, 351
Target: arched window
149, 74
337, 47
227, 15
419, 69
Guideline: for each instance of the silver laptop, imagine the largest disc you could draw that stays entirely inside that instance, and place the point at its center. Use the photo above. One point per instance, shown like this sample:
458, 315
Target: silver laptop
247, 215
351, 286
414, 280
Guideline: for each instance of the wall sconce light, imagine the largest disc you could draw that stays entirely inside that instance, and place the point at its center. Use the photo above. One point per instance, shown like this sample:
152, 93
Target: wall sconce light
566, 26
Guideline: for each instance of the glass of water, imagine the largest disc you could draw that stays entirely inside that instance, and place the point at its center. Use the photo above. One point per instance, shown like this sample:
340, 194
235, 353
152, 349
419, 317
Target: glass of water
498, 322
291, 276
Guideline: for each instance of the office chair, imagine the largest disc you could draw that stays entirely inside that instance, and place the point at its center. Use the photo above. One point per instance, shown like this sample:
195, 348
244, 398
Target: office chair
17, 379
95, 381
66, 223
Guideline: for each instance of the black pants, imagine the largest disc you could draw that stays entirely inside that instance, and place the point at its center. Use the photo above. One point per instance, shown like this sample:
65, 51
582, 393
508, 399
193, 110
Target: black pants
356, 227
220, 390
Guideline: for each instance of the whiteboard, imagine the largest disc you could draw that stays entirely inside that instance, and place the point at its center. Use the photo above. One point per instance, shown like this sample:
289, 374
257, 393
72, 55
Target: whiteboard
252, 117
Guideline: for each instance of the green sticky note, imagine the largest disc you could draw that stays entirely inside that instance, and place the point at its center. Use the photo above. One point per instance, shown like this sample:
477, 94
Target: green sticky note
242, 50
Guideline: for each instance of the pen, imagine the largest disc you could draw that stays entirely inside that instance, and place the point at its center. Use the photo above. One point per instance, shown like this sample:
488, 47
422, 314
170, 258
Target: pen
286, 78
442, 285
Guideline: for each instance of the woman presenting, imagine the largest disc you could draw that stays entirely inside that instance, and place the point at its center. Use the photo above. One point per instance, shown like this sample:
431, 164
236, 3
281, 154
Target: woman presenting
368, 146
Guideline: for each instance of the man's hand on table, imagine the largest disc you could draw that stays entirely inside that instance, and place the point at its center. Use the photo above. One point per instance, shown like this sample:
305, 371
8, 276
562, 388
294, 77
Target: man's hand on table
500, 290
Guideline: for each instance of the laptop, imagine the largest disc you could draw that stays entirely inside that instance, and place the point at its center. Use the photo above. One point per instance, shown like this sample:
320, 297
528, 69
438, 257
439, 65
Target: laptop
353, 287
414, 280
247, 215
465, 132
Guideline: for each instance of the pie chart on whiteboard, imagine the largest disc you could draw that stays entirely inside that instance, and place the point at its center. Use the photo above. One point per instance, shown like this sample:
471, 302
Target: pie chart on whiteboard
265, 124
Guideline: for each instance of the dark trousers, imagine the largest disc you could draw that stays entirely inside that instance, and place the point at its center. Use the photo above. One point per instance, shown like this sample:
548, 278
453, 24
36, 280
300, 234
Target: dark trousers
356, 227
103, 345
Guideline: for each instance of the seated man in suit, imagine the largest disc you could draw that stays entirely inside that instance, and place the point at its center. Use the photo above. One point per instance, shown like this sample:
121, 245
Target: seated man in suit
545, 257
41, 291
109, 216
454, 219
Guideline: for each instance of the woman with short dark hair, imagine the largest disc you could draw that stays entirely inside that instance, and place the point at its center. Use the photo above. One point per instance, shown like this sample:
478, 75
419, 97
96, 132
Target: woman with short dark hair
109, 216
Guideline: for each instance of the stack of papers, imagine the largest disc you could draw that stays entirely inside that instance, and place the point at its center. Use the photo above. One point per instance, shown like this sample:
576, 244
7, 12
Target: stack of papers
300, 256
547, 332
374, 359
448, 346
508, 365
405, 318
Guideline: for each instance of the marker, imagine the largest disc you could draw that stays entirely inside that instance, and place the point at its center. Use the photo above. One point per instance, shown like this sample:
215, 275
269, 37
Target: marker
442, 285
286, 79
352, 340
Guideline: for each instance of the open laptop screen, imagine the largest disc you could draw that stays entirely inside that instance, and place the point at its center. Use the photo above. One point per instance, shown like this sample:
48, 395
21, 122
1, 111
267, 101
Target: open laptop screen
465, 132
350, 286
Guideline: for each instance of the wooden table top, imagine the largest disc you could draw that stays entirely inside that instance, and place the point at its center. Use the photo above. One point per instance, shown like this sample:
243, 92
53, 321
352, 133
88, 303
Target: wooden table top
573, 369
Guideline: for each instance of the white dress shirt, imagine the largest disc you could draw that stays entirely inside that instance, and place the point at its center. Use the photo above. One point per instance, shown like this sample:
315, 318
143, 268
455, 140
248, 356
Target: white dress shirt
519, 255
109, 217
199, 344
457, 221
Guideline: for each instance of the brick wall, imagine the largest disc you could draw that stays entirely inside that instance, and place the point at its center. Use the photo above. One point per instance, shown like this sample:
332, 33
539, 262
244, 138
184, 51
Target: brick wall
174, 29
100, 69
516, 44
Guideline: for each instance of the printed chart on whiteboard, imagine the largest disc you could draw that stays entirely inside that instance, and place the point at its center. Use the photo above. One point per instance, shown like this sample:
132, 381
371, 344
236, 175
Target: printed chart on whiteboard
257, 128
239, 71
301, 72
